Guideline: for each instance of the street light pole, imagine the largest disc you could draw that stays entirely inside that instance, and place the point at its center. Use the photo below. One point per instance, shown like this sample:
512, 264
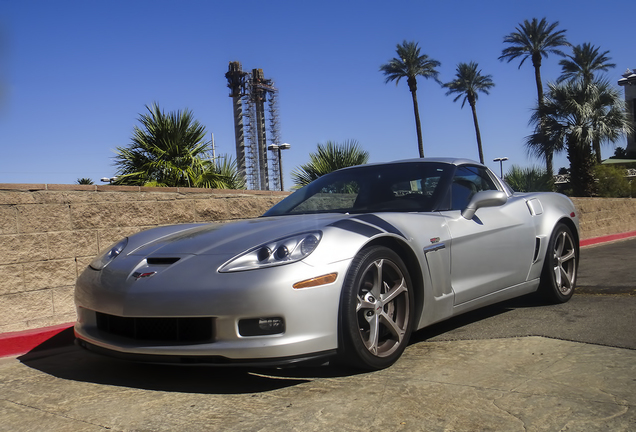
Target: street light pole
283, 146
501, 161
278, 148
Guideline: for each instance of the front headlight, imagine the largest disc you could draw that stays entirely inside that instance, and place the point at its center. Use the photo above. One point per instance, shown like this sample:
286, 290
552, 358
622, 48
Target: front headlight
283, 251
111, 253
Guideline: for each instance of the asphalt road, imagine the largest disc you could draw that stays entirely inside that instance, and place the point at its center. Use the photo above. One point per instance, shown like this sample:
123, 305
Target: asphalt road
602, 312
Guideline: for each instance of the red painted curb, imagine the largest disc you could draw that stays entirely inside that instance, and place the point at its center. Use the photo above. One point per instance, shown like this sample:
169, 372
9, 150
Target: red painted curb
21, 342
607, 238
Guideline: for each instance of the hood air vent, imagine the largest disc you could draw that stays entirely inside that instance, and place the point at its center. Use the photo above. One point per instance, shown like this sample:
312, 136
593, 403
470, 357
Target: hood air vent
161, 261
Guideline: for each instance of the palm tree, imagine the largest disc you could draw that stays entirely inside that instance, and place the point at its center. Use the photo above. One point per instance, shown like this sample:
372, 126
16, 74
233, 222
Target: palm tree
535, 40
469, 82
410, 64
85, 181
169, 150
329, 157
547, 138
221, 174
609, 116
573, 117
583, 63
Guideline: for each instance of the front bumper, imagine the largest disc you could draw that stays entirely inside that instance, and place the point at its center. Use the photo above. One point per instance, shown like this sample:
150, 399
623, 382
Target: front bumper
191, 290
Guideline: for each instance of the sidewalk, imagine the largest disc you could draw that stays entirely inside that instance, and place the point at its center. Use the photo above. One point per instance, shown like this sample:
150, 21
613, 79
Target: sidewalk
513, 384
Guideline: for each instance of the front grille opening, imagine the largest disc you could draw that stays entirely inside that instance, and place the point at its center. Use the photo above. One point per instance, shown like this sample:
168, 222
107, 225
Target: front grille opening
190, 330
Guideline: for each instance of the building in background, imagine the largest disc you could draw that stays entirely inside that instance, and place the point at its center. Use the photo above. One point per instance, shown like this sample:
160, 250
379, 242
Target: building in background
629, 83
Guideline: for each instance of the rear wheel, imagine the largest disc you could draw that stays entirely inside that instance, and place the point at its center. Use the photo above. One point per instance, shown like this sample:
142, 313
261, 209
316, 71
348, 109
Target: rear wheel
376, 309
560, 268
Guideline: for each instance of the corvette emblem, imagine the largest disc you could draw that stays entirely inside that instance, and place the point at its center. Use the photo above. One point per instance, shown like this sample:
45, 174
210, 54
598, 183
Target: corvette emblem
138, 275
435, 240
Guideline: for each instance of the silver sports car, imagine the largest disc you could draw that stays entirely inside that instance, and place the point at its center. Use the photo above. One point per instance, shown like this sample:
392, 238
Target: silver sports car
344, 268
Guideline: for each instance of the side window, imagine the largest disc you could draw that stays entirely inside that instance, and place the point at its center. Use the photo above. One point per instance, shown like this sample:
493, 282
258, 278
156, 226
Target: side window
469, 180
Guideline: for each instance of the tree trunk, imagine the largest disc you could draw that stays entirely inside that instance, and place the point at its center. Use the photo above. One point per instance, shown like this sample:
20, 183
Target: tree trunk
548, 164
536, 62
477, 133
597, 150
418, 127
581, 170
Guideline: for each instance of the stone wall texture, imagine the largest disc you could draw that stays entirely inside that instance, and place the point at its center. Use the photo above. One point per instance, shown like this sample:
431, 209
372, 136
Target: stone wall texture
605, 216
49, 234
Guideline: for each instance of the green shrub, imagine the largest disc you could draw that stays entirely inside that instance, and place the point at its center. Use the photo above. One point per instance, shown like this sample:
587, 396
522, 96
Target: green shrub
532, 179
612, 182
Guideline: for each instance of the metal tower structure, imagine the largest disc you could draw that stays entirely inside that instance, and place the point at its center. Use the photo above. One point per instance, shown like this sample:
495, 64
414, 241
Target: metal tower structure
274, 147
236, 80
250, 92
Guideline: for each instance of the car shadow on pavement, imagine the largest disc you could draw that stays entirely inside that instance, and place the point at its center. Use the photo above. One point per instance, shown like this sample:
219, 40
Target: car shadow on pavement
59, 357
527, 301
75, 364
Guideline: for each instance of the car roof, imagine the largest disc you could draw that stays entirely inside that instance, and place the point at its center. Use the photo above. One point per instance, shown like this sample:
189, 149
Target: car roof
444, 160
447, 160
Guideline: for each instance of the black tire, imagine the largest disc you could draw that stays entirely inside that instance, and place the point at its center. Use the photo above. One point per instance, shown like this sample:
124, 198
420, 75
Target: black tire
376, 309
560, 268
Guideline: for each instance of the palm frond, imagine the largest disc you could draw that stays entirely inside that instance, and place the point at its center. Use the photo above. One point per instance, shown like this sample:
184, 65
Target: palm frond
329, 157
534, 38
584, 62
530, 179
410, 63
469, 82
169, 149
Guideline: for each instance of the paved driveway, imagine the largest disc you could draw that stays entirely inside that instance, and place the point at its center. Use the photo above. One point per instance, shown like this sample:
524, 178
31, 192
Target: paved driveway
603, 311
517, 366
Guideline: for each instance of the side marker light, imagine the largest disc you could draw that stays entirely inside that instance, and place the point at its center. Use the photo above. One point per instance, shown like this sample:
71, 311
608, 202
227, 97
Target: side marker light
317, 281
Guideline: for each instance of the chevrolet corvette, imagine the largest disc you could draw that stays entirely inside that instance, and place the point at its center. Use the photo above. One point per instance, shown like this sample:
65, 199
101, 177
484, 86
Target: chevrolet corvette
343, 269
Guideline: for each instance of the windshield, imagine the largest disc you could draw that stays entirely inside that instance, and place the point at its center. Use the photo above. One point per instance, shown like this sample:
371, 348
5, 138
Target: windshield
397, 187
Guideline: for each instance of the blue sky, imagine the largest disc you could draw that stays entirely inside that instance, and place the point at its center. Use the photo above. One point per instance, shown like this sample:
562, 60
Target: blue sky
75, 75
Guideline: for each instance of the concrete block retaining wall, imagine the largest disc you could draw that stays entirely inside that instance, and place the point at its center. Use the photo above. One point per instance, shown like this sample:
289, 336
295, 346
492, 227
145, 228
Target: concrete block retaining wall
49, 234
605, 216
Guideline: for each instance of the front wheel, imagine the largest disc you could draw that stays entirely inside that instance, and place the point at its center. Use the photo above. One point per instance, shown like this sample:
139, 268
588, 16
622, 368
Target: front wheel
376, 310
560, 268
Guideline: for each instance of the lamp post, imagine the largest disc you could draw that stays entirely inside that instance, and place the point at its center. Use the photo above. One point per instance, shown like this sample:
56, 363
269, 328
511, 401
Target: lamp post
278, 148
501, 161
283, 146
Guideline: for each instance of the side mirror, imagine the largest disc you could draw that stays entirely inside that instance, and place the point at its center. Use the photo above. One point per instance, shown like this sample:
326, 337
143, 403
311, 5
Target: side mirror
481, 199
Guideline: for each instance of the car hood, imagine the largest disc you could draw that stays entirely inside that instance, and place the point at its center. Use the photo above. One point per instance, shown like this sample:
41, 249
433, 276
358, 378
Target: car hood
223, 238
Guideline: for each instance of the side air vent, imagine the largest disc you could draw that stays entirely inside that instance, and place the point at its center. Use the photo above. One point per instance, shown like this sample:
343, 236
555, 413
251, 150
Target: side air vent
161, 261
537, 248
